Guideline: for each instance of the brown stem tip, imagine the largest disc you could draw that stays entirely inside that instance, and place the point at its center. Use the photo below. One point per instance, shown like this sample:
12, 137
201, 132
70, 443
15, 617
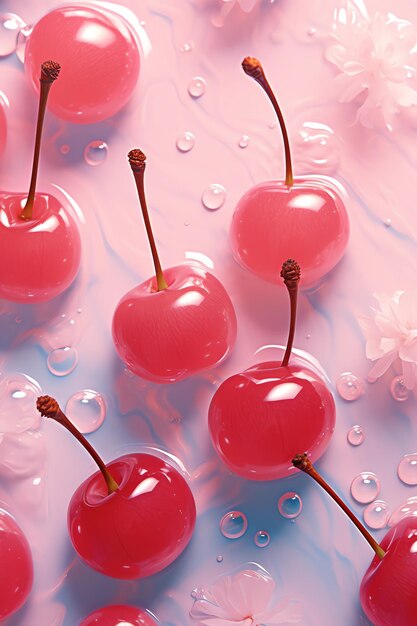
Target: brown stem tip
252, 67
137, 159
47, 406
302, 462
50, 71
290, 272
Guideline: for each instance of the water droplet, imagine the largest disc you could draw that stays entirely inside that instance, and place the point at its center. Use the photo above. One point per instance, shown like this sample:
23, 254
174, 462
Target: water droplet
262, 538
349, 386
316, 147
64, 149
387, 222
376, 514
213, 197
95, 152
21, 41
407, 469
244, 141
407, 509
87, 410
233, 525
355, 435
398, 390
365, 487
290, 505
272, 125
311, 32
10, 25
194, 593
185, 142
187, 46
219, 559
197, 87
62, 361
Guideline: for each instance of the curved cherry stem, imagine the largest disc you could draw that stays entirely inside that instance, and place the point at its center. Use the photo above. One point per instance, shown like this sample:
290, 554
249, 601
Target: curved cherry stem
303, 463
137, 160
49, 407
291, 274
49, 73
253, 68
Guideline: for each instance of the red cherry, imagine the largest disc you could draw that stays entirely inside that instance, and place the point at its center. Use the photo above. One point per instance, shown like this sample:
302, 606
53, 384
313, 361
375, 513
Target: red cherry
388, 591
389, 588
40, 246
175, 324
259, 418
131, 519
100, 58
305, 218
16, 570
119, 615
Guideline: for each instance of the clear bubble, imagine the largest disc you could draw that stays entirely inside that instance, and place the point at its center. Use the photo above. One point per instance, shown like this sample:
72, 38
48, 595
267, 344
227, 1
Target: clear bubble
365, 487
62, 361
213, 197
233, 525
22, 39
407, 469
10, 25
197, 87
262, 539
244, 141
311, 32
95, 153
64, 149
355, 435
349, 386
219, 558
376, 514
387, 222
407, 509
187, 46
290, 505
186, 142
87, 410
398, 390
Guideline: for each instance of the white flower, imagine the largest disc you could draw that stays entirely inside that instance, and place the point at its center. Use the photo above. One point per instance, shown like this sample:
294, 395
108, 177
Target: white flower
391, 334
243, 599
375, 56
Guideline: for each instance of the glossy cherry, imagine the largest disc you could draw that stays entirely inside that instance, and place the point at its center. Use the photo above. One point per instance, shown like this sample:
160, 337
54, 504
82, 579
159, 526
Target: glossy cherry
131, 519
177, 323
260, 417
16, 569
388, 591
119, 615
40, 246
99, 55
303, 218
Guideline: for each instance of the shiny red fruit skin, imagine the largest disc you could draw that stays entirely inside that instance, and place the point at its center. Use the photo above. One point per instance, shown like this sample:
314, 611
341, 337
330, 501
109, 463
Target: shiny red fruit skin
116, 615
261, 418
40, 257
389, 588
165, 336
139, 529
307, 222
16, 567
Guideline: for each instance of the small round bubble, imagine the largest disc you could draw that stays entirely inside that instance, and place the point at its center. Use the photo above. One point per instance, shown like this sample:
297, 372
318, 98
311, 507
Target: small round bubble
197, 87
185, 142
95, 153
376, 514
355, 435
262, 539
407, 469
213, 197
10, 25
365, 487
349, 386
290, 505
62, 361
87, 410
398, 390
233, 525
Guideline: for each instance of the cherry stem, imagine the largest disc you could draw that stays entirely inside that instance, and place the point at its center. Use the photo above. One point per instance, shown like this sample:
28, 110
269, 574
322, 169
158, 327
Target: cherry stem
253, 68
137, 161
49, 407
303, 463
291, 274
49, 73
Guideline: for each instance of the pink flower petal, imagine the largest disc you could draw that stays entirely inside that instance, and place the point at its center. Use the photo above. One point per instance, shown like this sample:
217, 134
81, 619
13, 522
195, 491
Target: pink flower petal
409, 375
251, 592
287, 612
382, 365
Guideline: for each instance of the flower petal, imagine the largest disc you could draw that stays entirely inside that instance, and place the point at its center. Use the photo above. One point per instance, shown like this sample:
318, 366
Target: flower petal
287, 612
251, 592
382, 365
